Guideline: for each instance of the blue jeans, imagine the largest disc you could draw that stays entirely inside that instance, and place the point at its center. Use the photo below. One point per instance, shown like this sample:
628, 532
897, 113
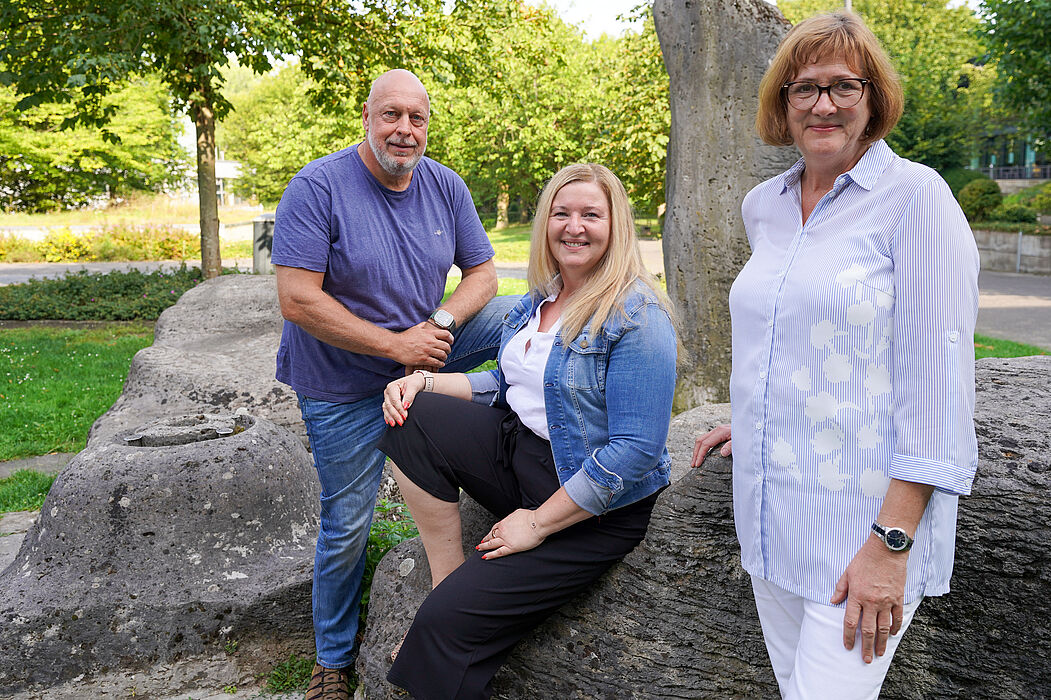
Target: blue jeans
343, 439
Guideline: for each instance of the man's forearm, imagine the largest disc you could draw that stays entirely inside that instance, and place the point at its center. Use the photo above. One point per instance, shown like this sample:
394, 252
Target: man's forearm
476, 288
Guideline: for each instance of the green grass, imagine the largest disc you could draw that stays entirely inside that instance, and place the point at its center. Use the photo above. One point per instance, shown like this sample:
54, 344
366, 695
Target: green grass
290, 675
24, 490
984, 346
54, 383
511, 244
140, 208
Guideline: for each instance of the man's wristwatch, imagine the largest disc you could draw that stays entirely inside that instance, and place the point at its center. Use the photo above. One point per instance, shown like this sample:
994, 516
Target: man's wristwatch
896, 539
443, 319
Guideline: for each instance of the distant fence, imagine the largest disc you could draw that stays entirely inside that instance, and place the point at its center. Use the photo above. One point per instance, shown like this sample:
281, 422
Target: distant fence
1018, 172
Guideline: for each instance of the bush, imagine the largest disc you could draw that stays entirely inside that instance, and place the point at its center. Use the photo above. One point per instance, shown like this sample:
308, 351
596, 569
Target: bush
62, 245
980, 197
957, 178
84, 296
118, 243
16, 249
1013, 213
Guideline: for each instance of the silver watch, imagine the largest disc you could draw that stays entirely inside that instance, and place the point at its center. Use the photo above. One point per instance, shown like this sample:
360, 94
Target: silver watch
443, 319
896, 539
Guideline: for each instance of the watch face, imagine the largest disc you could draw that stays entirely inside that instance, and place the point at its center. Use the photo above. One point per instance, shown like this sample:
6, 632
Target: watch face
443, 318
897, 539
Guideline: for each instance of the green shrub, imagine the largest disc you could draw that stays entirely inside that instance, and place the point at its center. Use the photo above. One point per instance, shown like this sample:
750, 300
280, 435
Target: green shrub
1013, 213
957, 178
978, 198
14, 248
131, 242
1037, 198
62, 245
116, 296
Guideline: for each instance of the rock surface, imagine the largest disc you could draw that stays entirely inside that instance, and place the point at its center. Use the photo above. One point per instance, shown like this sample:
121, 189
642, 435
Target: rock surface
676, 619
169, 540
716, 53
213, 351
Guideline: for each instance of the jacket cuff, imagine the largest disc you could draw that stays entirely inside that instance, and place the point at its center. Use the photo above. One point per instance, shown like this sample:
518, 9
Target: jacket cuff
587, 494
944, 476
484, 386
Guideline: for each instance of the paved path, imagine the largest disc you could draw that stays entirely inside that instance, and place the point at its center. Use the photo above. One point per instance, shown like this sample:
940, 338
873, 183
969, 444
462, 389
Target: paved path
1011, 306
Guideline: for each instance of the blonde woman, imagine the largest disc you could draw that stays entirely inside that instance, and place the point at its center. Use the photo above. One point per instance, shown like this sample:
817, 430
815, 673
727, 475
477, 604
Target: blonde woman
572, 425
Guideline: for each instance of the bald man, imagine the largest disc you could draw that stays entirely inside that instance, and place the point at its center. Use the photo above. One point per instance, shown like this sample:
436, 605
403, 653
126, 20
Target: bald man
363, 242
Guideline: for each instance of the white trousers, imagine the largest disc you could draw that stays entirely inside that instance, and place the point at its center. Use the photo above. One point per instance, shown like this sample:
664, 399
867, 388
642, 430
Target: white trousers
805, 643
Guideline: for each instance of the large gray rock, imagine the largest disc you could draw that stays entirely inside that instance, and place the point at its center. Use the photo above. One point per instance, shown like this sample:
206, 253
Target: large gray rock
715, 52
676, 619
161, 542
213, 351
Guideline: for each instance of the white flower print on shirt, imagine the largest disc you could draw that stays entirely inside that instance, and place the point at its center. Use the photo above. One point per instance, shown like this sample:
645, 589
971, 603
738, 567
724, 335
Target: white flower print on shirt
784, 456
829, 476
874, 483
837, 368
801, 379
827, 441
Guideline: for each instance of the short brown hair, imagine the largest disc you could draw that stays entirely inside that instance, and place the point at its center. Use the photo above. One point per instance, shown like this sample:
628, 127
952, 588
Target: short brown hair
836, 35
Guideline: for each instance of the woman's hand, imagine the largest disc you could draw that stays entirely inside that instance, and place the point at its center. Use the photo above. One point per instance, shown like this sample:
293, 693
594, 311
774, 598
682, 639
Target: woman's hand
516, 533
709, 440
398, 396
874, 587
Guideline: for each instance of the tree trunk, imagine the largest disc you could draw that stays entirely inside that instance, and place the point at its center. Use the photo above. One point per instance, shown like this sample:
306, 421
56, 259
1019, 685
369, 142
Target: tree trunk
503, 202
204, 120
523, 212
715, 53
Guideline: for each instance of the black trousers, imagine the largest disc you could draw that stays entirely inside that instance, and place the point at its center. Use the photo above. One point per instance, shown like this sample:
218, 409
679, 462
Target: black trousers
468, 624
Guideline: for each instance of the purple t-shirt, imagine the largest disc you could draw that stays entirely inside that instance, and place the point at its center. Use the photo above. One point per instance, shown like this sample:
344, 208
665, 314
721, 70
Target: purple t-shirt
385, 256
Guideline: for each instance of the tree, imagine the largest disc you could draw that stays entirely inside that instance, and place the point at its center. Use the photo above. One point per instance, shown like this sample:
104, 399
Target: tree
256, 133
80, 51
44, 167
634, 116
1016, 33
934, 48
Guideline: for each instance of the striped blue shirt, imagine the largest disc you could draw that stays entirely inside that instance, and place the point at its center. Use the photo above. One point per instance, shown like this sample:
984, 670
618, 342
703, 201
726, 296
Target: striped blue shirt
853, 363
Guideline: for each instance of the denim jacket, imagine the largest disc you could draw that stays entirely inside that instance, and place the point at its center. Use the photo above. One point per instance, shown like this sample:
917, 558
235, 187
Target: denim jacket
608, 397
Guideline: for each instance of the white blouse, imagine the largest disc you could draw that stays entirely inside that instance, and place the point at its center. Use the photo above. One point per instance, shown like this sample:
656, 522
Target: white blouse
523, 364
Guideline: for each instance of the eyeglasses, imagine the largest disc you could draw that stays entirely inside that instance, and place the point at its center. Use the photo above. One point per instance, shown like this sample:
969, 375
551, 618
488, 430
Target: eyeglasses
803, 94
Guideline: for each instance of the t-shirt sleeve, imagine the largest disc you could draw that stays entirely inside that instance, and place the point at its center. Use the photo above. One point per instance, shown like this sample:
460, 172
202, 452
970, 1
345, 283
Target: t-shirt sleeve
301, 226
472, 243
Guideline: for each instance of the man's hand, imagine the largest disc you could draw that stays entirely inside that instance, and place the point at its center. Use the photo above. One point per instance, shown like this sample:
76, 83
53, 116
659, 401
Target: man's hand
423, 346
874, 587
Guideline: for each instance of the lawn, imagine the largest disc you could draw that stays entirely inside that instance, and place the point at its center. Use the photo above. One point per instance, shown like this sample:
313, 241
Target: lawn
54, 383
511, 244
140, 209
985, 346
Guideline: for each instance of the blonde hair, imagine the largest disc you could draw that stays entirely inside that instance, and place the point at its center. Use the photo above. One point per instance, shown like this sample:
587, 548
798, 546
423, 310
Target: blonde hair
604, 291
838, 35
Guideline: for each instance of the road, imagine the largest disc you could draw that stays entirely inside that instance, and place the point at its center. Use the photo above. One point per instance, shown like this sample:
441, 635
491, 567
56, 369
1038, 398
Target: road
1010, 306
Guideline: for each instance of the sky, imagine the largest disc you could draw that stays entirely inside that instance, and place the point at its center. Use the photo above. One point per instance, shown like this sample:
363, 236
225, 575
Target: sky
595, 17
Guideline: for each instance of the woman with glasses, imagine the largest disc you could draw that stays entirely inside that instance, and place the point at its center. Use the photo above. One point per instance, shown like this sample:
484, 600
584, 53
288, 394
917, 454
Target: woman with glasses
853, 370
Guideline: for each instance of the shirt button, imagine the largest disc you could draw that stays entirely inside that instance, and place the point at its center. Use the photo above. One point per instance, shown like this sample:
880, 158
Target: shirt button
759, 425
548, 384
953, 336
762, 374
770, 323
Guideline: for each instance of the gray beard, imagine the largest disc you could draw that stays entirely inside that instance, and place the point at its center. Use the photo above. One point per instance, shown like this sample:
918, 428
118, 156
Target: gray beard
387, 162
